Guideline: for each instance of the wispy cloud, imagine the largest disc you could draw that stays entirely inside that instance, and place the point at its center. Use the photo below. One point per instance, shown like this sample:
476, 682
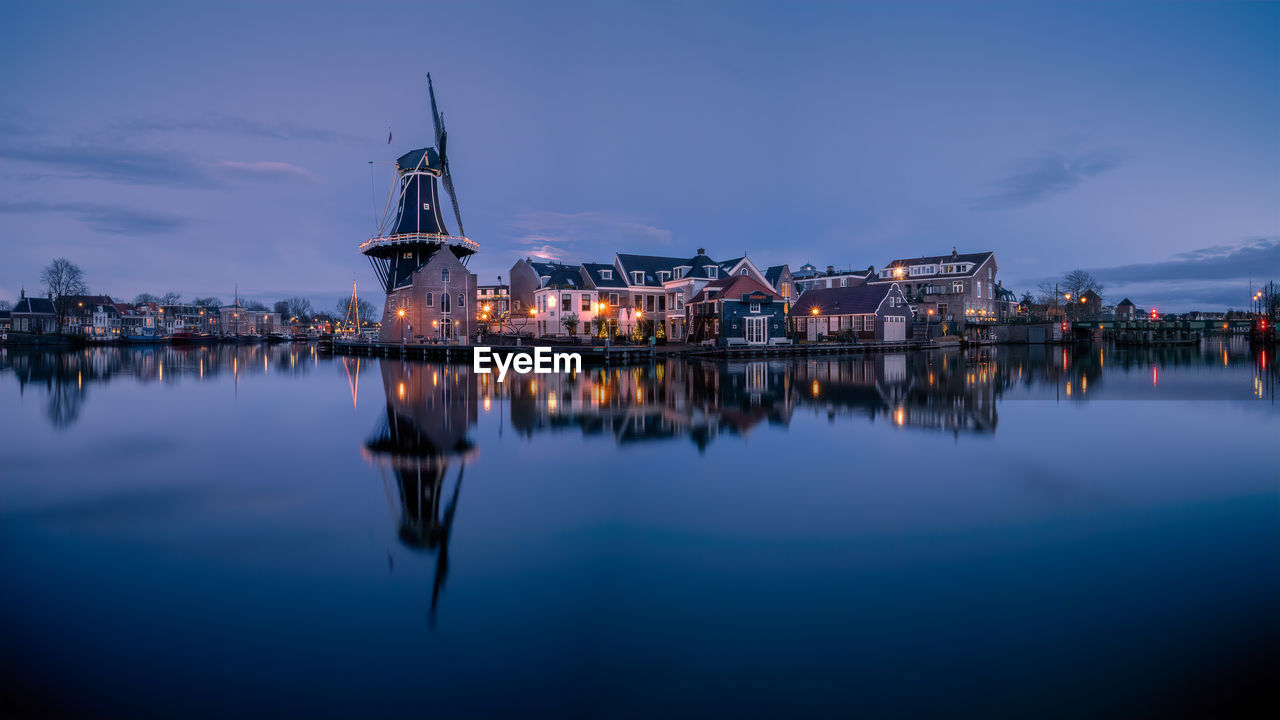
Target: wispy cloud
262, 169
1037, 179
556, 235
1219, 262
135, 167
232, 125
101, 218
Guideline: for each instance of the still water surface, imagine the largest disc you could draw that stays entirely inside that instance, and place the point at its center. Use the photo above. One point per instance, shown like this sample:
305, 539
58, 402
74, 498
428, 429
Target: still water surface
249, 531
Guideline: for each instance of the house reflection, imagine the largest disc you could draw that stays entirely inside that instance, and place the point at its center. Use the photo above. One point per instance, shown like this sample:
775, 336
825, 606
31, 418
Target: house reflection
422, 436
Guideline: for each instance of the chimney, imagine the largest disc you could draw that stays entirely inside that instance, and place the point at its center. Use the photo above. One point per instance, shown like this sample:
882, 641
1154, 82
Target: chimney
953, 252
831, 269
702, 251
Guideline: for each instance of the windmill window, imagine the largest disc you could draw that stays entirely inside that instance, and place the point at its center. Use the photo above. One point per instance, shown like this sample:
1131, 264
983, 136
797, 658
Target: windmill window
444, 275
408, 255
428, 300
461, 301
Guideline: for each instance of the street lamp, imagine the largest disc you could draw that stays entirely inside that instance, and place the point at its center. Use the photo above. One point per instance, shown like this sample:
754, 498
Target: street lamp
400, 313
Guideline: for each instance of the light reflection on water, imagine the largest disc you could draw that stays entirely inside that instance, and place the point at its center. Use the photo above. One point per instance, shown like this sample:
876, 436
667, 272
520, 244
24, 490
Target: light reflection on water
750, 537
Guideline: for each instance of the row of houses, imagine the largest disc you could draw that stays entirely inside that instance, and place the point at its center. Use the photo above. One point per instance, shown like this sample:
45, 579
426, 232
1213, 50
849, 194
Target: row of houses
700, 299
100, 317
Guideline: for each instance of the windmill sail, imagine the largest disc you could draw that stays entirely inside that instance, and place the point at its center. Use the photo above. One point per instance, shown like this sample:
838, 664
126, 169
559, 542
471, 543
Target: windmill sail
442, 139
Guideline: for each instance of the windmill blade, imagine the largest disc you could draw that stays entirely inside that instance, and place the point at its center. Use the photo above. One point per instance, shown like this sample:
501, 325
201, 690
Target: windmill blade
448, 186
436, 120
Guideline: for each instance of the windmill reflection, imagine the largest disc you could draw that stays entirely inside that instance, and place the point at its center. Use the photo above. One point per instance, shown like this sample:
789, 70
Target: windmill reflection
423, 434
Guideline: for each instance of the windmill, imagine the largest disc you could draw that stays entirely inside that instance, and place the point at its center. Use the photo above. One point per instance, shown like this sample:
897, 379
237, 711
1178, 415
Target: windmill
412, 228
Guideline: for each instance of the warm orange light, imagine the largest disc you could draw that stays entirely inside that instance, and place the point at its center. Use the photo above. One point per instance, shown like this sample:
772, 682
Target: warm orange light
813, 311
532, 312
639, 313
400, 312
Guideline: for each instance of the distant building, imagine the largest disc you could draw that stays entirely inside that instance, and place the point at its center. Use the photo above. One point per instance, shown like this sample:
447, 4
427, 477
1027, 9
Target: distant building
236, 319
34, 315
491, 304
866, 312
1126, 311
737, 310
1089, 305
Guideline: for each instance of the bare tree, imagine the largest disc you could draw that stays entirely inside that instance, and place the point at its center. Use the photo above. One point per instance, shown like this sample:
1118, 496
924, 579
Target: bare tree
254, 305
145, 298
4, 305
364, 307
1047, 294
296, 307
1079, 282
63, 278
171, 298
209, 302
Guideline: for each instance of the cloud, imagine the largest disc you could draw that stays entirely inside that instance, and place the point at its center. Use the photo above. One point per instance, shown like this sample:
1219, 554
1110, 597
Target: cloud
101, 218
232, 125
1037, 179
1219, 262
1207, 278
555, 235
262, 169
135, 167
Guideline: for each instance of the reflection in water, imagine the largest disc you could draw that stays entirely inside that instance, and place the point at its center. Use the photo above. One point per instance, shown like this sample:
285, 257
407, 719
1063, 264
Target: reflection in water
430, 410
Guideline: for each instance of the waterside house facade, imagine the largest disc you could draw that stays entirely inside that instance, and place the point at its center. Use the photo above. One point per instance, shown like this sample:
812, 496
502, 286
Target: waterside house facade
34, 315
959, 287
737, 310
636, 295
866, 312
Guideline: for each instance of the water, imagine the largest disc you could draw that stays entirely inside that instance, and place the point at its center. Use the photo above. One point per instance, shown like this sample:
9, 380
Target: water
248, 531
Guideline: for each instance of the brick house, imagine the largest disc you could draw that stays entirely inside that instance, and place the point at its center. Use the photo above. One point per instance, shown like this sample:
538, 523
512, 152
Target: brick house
435, 306
959, 286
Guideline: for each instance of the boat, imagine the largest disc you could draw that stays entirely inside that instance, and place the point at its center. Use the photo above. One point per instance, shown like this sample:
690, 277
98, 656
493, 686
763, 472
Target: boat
181, 337
278, 337
143, 339
245, 339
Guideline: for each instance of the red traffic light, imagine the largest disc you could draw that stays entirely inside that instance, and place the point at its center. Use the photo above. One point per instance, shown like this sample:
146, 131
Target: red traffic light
1064, 326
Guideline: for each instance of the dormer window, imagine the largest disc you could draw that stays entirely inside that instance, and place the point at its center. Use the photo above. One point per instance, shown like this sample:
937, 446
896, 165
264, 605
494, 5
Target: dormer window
711, 271
606, 274
637, 278
679, 273
542, 281
663, 275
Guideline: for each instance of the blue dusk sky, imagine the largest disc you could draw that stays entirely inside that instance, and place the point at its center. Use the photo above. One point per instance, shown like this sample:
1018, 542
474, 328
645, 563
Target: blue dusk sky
193, 147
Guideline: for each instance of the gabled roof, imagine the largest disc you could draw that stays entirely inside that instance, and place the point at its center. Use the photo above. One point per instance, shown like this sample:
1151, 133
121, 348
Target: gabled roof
593, 272
649, 265
1126, 301
774, 274
733, 288
857, 300
558, 275
34, 305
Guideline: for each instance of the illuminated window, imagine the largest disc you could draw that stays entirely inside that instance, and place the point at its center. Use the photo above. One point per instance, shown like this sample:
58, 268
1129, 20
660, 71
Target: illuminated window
755, 307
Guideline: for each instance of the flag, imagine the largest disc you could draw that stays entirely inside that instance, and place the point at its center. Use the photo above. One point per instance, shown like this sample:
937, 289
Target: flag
388, 134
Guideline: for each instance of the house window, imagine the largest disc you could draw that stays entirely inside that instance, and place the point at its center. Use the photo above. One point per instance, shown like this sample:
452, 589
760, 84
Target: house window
990, 273
649, 303
786, 290
957, 286
566, 302
755, 307
444, 275
639, 301
844, 282
711, 271
429, 301
613, 299
679, 301
606, 274
637, 278
869, 322
978, 287
586, 302
743, 271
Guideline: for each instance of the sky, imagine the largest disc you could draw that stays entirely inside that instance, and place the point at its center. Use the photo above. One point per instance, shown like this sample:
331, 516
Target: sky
201, 148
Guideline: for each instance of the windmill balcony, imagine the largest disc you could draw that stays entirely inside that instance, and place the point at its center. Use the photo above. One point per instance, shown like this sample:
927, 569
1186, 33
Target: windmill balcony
391, 241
